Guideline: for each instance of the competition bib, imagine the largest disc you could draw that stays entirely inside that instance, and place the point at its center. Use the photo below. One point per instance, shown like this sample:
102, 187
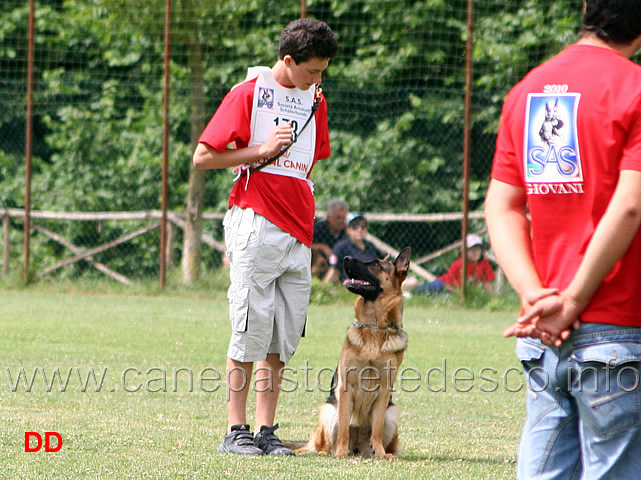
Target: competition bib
274, 105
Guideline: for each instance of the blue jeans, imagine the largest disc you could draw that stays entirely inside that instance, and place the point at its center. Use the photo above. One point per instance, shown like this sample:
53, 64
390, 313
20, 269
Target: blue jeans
435, 286
583, 406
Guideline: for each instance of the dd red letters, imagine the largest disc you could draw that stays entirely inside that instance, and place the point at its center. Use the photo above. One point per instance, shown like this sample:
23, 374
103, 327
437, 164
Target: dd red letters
29, 447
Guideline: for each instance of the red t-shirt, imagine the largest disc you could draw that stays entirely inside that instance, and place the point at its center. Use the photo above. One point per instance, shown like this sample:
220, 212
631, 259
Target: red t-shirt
285, 201
567, 129
479, 272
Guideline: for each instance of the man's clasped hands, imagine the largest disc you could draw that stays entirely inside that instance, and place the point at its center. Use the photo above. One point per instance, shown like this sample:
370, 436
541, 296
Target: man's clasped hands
548, 315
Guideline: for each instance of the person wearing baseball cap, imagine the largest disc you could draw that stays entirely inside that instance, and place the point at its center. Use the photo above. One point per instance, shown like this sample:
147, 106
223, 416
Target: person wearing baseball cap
479, 270
355, 245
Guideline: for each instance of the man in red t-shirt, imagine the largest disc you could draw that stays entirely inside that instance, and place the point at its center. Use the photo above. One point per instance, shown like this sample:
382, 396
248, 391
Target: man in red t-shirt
563, 210
270, 223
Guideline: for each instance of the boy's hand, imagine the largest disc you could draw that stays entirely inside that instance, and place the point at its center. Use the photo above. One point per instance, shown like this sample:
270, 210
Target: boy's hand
280, 137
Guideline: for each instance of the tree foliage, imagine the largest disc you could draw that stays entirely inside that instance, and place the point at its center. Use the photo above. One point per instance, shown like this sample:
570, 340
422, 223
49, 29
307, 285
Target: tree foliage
395, 95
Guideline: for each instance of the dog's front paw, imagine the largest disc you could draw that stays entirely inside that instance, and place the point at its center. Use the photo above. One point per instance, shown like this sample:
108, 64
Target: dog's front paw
383, 454
341, 452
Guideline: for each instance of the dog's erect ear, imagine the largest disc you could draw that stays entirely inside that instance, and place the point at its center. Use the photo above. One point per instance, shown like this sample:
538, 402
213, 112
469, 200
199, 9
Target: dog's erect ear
402, 262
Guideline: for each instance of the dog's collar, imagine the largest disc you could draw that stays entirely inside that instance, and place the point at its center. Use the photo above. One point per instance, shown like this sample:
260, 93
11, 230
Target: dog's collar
358, 324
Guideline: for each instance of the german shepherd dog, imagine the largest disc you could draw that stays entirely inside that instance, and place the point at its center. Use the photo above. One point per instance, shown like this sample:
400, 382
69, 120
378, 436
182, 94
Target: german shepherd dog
359, 417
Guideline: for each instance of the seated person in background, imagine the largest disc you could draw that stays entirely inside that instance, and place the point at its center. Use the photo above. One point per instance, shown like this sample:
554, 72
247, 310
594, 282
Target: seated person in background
327, 233
354, 246
479, 271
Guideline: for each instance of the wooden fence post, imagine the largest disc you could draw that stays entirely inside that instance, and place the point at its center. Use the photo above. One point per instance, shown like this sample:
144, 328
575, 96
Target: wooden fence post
170, 243
6, 225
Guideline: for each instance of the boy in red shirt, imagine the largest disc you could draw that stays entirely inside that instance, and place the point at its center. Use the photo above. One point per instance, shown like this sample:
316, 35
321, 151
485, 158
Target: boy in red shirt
270, 223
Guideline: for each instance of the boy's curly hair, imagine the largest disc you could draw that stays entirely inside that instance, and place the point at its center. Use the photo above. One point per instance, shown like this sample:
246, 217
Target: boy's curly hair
307, 38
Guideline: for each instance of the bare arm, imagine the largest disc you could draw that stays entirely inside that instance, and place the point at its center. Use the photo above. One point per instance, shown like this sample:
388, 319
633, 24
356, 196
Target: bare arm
206, 157
332, 275
326, 249
610, 241
509, 230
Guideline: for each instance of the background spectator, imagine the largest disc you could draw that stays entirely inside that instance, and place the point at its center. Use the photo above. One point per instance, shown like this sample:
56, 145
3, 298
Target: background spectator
327, 233
355, 245
479, 271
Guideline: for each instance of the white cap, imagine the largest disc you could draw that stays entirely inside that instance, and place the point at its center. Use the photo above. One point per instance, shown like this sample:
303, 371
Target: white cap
353, 216
472, 240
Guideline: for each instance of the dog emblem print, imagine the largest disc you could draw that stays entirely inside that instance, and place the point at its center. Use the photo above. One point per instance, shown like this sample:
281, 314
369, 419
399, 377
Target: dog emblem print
551, 141
549, 132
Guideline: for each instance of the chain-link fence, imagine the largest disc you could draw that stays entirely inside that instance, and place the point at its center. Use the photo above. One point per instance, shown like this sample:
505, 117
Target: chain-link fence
396, 94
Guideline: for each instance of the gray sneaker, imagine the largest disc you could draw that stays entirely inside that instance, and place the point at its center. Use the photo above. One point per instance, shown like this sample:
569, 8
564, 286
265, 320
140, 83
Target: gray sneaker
270, 443
241, 441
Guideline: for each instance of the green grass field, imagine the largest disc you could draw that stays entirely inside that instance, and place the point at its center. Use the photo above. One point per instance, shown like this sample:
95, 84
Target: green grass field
140, 417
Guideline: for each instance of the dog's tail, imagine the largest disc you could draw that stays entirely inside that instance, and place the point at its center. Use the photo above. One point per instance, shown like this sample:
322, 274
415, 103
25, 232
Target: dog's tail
299, 445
